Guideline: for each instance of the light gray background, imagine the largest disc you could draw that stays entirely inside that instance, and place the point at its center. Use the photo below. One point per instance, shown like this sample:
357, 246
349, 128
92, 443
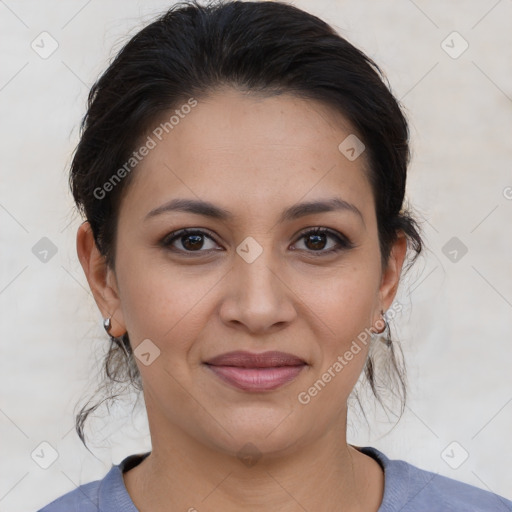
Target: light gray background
456, 325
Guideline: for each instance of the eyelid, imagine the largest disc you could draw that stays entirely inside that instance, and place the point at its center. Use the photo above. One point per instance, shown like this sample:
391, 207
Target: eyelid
343, 242
321, 229
175, 235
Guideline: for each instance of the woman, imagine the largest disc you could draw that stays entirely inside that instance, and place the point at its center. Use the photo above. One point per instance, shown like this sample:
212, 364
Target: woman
242, 171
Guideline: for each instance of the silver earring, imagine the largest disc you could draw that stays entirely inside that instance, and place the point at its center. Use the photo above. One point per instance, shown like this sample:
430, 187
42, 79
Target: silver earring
387, 339
107, 324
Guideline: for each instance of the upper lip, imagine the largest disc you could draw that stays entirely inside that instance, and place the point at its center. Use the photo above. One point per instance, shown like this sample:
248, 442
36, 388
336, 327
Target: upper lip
253, 360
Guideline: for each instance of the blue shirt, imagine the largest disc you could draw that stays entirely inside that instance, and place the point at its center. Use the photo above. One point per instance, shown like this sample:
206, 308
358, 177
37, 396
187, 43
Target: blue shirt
406, 489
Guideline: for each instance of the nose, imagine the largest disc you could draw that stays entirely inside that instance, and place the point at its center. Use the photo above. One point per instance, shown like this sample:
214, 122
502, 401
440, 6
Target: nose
258, 298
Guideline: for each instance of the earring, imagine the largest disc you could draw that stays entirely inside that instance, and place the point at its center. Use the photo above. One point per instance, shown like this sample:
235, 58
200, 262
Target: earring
386, 340
107, 324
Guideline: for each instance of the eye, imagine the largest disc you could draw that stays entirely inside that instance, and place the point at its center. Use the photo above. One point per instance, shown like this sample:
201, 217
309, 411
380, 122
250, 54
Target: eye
191, 240
316, 239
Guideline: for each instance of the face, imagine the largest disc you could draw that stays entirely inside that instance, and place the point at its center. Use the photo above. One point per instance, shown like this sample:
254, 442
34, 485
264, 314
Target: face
253, 280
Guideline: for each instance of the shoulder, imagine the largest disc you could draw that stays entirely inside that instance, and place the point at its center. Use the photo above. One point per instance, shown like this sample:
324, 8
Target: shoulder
106, 495
410, 489
84, 498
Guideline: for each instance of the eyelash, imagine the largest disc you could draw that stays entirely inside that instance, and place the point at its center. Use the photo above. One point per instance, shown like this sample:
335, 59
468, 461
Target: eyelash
343, 243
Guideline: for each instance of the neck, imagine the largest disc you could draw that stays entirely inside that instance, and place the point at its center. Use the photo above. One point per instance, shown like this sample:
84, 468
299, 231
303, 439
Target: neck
324, 475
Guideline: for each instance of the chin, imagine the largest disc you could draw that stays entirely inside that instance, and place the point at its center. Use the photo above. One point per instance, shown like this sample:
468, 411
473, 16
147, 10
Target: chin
255, 432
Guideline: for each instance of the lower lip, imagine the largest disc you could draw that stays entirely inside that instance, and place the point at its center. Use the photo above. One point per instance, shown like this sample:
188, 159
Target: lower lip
256, 379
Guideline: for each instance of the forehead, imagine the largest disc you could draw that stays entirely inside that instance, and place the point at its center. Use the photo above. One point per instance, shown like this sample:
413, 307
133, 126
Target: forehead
236, 148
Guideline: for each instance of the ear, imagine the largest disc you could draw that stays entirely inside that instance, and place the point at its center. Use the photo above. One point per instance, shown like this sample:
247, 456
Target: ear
391, 275
101, 279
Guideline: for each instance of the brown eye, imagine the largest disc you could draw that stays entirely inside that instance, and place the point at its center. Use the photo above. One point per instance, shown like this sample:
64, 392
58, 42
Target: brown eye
316, 241
189, 240
192, 242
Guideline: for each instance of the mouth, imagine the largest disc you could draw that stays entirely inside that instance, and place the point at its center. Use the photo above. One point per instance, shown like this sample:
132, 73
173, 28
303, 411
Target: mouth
256, 372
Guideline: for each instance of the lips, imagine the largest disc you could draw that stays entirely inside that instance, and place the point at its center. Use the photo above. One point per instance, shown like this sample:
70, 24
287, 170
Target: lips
252, 360
256, 372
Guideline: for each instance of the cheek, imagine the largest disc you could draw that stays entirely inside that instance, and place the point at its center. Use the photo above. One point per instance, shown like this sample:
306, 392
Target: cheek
343, 300
342, 308
343, 341
162, 303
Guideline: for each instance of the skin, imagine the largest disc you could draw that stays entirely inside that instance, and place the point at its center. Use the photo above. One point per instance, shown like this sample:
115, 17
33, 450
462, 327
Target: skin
253, 156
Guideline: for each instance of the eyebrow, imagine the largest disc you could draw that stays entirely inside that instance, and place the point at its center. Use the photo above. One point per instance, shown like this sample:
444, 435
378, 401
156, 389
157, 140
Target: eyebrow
207, 209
